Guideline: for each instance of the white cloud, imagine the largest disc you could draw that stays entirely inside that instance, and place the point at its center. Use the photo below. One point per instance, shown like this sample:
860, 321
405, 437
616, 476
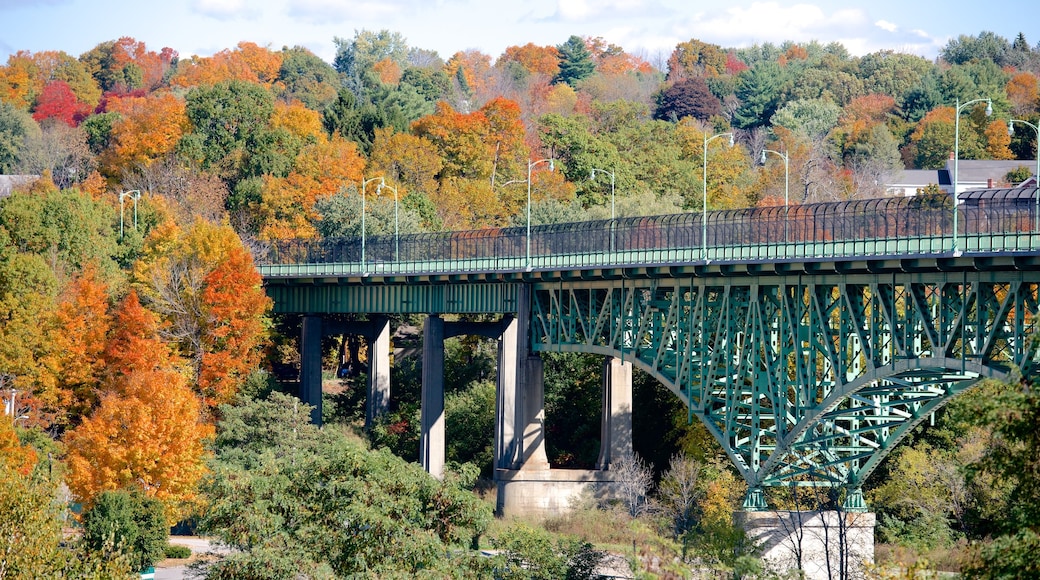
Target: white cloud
333, 11
222, 9
886, 25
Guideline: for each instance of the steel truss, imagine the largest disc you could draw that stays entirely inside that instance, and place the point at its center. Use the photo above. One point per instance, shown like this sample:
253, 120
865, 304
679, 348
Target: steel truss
807, 380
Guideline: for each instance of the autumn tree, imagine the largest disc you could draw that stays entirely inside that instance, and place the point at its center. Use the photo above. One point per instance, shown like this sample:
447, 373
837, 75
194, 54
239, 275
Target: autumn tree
126, 64
149, 436
147, 128
689, 97
19, 80
286, 208
408, 159
58, 150
57, 102
694, 58
460, 138
77, 336
543, 60
189, 192
204, 286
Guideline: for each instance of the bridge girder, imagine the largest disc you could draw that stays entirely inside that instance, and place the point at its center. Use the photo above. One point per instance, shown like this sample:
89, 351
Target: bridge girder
803, 380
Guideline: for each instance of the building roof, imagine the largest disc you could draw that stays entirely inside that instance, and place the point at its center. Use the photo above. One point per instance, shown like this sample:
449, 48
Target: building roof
979, 171
9, 182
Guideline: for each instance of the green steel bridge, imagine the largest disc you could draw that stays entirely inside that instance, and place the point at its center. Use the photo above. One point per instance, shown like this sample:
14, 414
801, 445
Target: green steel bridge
809, 340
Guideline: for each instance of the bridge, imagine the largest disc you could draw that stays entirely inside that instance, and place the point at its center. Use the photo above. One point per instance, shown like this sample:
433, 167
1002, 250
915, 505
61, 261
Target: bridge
808, 339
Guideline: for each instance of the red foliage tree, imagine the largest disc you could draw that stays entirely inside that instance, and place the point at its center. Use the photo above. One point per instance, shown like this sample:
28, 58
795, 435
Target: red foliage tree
58, 101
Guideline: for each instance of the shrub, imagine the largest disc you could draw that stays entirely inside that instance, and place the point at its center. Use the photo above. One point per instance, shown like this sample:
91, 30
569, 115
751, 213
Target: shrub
129, 523
177, 552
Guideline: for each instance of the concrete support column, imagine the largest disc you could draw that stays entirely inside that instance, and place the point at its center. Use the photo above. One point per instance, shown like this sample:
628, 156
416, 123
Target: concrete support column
534, 457
378, 398
616, 427
310, 365
506, 444
431, 440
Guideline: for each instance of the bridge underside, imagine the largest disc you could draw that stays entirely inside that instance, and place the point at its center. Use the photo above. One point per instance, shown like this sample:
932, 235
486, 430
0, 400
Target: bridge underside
804, 380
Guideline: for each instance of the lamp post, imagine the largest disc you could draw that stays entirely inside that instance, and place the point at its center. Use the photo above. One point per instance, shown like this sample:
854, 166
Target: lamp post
397, 223
530, 166
133, 194
365, 182
592, 176
704, 192
956, 154
787, 182
1011, 131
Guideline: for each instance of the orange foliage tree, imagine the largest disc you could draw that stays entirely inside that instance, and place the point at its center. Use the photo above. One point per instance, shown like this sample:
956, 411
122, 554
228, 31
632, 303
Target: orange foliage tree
1024, 94
77, 333
542, 60
149, 128
471, 66
696, 58
14, 455
461, 140
19, 80
249, 62
208, 294
149, 430
611, 59
321, 169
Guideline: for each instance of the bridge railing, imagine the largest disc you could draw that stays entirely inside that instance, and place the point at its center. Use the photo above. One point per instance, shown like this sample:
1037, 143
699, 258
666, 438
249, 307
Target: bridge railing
898, 227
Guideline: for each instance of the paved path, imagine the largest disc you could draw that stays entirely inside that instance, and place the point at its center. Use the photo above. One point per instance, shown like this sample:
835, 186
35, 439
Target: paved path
179, 571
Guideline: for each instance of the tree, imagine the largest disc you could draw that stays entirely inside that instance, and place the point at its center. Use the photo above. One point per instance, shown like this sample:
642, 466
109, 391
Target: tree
77, 335
228, 122
354, 58
632, 479
58, 102
147, 435
286, 495
541, 60
203, 285
694, 58
307, 78
16, 129
147, 128
129, 524
689, 97
31, 537
58, 150
759, 94
576, 61
813, 118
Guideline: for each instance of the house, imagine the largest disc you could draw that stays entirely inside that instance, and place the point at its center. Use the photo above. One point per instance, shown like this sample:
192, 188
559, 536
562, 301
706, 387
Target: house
9, 182
971, 174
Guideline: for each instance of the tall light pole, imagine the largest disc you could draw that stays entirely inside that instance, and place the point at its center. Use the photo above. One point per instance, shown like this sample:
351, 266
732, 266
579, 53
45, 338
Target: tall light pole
787, 182
530, 166
956, 155
133, 194
704, 192
397, 223
592, 176
365, 182
1011, 131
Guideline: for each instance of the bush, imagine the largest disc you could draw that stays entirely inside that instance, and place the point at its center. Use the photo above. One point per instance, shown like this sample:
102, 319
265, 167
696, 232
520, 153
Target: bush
177, 552
129, 523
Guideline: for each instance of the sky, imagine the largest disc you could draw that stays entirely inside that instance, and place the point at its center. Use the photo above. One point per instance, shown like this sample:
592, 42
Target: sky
646, 28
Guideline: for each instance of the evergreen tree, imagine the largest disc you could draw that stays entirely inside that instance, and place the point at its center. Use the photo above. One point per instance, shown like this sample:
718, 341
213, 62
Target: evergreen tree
575, 61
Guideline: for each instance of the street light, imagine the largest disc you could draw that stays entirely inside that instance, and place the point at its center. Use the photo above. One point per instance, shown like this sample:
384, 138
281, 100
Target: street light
397, 226
787, 181
956, 154
1011, 131
530, 166
133, 194
365, 182
592, 176
704, 192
